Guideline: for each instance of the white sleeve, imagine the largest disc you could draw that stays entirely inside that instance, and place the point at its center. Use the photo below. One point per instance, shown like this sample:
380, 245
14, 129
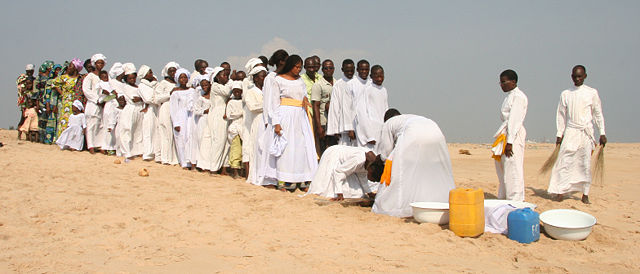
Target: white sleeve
596, 109
84, 121
161, 95
254, 104
561, 117
146, 92
344, 169
233, 110
348, 115
177, 114
274, 102
89, 89
385, 145
516, 118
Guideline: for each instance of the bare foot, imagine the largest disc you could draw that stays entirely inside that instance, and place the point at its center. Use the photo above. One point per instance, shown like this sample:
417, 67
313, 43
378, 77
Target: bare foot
558, 198
270, 187
371, 195
339, 197
92, 151
585, 199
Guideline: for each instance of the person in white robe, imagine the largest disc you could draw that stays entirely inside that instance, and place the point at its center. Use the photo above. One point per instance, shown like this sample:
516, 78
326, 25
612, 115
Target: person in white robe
578, 109
370, 104
199, 70
253, 121
93, 110
111, 123
297, 161
247, 84
214, 146
265, 134
198, 110
116, 74
180, 99
147, 86
341, 105
417, 164
168, 154
130, 121
342, 173
73, 136
353, 97
510, 139
234, 115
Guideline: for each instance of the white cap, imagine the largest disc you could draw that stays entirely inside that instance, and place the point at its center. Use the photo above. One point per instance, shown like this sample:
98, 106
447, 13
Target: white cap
29, 67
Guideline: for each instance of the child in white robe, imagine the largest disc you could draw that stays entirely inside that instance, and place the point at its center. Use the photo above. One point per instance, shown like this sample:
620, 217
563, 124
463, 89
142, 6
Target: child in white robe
179, 107
234, 114
108, 96
73, 136
200, 114
111, 123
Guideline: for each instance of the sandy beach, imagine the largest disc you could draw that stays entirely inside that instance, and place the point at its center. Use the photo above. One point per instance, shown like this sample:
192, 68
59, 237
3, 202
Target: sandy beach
63, 212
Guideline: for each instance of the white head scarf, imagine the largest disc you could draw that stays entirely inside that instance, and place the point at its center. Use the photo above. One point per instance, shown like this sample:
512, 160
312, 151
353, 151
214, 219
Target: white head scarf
165, 70
198, 79
78, 105
214, 73
257, 69
252, 63
29, 67
96, 57
116, 70
180, 72
142, 72
128, 68
236, 84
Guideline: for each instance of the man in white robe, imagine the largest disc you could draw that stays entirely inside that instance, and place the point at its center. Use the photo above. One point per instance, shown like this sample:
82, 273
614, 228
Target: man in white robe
93, 110
416, 155
341, 173
509, 160
353, 97
340, 106
578, 108
370, 104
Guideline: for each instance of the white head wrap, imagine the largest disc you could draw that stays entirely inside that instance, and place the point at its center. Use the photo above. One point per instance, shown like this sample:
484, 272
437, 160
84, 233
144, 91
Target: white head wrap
252, 64
128, 68
78, 105
236, 84
214, 73
257, 69
180, 72
96, 57
142, 72
29, 67
165, 70
116, 70
198, 79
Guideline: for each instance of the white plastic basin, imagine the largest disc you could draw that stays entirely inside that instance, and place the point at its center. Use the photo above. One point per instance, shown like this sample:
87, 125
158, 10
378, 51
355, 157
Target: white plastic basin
431, 212
567, 224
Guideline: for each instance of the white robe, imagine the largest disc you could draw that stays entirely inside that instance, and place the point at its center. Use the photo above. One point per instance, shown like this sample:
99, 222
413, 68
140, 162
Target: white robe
93, 111
192, 146
578, 109
72, 136
341, 171
108, 138
214, 146
370, 105
252, 123
264, 137
340, 107
510, 170
130, 124
421, 170
179, 116
298, 162
234, 114
200, 105
149, 120
168, 153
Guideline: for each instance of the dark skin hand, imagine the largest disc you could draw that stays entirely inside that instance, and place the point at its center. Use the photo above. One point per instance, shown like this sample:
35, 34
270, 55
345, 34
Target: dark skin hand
508, 150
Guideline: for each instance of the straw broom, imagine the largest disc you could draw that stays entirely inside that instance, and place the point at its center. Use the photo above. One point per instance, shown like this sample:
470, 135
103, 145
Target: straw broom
548, 164
598, 166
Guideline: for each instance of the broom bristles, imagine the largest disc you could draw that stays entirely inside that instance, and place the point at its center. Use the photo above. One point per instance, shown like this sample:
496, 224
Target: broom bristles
548, 164
598, 166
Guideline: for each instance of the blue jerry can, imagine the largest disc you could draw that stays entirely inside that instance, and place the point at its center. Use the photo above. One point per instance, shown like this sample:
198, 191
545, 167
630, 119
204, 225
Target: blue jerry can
524, 225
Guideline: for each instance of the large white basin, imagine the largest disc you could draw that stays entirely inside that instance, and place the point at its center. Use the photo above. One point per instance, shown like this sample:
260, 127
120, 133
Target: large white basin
431, 212
567, 224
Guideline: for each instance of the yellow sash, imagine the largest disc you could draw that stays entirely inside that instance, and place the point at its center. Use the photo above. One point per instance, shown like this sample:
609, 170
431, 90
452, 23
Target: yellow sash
386, 173
500, 139
298, 103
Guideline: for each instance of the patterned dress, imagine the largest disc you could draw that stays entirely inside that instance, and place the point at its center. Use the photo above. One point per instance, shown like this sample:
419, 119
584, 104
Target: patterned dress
77, 91
50, 98
66, 84
40, 87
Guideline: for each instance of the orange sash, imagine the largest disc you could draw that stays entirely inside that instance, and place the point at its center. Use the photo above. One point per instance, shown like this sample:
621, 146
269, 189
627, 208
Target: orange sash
500, 139
386, 173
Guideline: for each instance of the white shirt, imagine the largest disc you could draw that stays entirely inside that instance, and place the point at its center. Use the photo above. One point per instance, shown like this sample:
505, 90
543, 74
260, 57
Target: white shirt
370, 105
579, 106
512, 113
89, 89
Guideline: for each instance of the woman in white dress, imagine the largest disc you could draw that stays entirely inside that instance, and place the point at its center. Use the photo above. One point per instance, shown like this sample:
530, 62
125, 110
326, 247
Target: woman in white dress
180, 99
253, 119
214, 146
130, 121
293, 157
163, 90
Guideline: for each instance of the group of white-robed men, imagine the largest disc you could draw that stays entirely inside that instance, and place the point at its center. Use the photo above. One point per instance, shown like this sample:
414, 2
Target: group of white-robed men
579, 108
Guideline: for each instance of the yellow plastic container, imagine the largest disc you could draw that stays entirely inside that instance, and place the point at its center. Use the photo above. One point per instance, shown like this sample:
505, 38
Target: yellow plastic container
466, 212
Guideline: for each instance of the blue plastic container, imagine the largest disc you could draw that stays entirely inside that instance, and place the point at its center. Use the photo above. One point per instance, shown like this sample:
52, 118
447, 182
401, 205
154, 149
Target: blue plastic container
524, 225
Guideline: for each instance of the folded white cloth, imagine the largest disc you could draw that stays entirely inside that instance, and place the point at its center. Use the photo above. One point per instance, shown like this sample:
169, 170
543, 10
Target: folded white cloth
496, 219
278, 145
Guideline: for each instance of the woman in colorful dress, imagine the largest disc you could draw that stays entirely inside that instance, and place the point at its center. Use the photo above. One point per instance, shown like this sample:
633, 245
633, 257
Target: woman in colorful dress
65, 85
40, 89
50, 99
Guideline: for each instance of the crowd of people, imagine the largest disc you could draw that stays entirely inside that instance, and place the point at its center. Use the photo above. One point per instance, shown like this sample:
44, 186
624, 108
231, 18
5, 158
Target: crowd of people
280, 129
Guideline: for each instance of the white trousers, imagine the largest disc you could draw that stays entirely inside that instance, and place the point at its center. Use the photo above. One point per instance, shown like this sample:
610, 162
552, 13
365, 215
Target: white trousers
510, 171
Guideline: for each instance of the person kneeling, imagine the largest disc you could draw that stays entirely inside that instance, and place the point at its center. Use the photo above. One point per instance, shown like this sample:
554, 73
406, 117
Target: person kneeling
73, 136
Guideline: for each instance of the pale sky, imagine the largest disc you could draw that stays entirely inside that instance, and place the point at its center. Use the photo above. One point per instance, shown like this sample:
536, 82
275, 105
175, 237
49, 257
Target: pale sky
441, 58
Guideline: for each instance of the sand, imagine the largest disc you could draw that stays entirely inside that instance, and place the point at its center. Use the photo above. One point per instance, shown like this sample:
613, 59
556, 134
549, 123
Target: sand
63, 211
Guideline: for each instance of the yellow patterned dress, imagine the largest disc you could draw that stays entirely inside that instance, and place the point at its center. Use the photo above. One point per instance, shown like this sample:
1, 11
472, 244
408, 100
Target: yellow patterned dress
65, 84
